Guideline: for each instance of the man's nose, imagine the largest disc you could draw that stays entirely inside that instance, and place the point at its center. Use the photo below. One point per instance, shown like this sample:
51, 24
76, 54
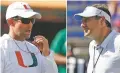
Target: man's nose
30, 24
83, 25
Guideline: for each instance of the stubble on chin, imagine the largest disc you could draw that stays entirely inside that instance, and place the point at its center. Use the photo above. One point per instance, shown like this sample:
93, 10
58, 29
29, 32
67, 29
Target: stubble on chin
27, 37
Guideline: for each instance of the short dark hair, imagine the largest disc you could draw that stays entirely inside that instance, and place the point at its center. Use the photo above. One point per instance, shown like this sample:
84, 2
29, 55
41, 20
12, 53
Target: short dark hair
104, 8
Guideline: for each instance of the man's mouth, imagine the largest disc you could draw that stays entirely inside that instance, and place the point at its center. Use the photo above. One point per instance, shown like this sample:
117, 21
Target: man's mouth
28, 31
86, 29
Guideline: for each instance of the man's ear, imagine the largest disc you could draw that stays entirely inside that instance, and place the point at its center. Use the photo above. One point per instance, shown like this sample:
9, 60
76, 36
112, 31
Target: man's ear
11, 22
102, 20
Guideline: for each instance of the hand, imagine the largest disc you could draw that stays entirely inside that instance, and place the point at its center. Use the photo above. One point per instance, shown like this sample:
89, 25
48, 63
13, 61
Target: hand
42, 43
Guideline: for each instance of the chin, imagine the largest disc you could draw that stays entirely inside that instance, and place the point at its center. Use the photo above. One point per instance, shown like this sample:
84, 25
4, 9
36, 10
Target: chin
27, 36
87, 34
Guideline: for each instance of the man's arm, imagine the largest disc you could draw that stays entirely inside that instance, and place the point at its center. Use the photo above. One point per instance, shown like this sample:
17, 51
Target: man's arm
60, 59
49, 65
1, 61
59, 47
5, 65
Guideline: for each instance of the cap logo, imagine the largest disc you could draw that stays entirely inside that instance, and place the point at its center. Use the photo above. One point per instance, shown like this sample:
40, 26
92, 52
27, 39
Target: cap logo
25, 7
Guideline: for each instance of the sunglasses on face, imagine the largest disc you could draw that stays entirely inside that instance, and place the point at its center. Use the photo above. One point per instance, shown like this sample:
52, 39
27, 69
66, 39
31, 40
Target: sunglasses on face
25, 20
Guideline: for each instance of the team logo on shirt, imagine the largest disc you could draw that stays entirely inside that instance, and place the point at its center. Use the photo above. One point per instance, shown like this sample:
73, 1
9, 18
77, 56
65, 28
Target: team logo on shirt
21, 62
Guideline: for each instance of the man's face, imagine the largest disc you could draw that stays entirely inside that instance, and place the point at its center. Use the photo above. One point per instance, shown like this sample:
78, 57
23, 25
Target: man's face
22, 29
91, 26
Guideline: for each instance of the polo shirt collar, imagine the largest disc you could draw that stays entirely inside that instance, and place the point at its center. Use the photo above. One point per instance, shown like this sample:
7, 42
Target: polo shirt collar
107, 40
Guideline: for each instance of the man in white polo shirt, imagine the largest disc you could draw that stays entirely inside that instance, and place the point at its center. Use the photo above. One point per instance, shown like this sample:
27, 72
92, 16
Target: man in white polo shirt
18, 55
104, 50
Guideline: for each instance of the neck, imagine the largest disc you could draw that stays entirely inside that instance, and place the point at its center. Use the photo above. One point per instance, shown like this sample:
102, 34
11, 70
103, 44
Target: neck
102, 36
14, 36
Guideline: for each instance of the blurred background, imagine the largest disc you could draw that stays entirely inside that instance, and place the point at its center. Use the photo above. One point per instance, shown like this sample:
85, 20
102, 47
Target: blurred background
76, 42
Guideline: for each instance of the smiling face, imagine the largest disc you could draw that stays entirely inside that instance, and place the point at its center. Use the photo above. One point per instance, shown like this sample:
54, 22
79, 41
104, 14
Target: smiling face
91, 26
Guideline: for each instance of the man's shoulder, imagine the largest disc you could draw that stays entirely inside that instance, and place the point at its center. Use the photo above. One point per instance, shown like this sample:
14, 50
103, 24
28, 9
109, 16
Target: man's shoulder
117, 36
117, 39
3, 40
92, 43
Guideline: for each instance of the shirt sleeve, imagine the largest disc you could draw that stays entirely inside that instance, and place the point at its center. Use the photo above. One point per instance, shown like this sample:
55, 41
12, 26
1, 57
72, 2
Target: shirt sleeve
5, 65
49, 65
1, 61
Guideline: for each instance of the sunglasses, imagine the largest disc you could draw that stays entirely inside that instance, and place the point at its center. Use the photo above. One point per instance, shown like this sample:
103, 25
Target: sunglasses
24, 20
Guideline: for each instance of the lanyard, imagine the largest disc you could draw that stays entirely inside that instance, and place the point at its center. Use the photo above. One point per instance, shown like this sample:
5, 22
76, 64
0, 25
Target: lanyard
95, 63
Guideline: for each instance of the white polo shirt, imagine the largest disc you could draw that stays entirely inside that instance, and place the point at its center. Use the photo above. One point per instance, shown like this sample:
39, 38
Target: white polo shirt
18, 60
109, 60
